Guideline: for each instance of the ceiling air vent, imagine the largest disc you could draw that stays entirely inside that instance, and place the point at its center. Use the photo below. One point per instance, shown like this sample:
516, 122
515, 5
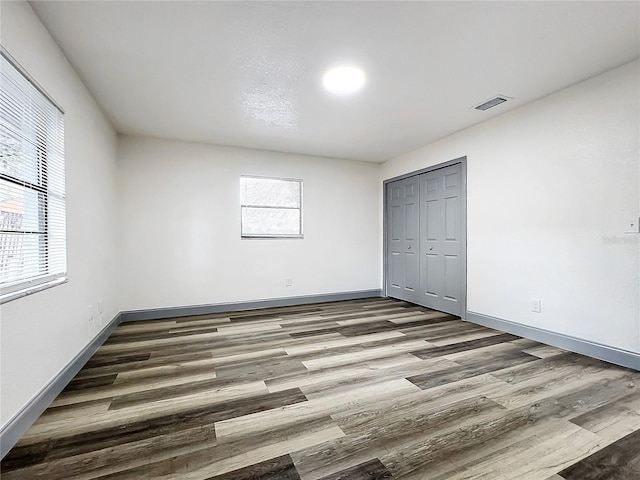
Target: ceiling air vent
497, 100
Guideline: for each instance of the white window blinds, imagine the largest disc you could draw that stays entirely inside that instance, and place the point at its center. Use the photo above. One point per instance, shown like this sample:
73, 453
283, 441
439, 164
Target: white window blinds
271, 207
32, 186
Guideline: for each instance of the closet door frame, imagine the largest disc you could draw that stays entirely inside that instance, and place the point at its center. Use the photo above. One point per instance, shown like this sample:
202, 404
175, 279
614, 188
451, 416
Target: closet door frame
463, 223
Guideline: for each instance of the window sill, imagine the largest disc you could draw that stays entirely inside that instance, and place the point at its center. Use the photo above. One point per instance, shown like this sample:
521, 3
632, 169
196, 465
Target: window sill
270, 237
32, 289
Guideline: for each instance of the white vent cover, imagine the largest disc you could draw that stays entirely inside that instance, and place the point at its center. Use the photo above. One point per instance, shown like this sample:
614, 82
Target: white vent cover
492, 102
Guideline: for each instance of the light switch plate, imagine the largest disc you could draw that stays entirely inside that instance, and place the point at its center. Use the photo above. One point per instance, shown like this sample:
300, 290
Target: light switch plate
633, 225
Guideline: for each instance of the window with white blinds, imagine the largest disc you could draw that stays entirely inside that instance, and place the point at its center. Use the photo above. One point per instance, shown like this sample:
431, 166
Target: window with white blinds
270, 207
32, 185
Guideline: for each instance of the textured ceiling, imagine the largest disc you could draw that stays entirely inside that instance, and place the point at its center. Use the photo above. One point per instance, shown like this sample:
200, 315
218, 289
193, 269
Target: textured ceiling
249, 73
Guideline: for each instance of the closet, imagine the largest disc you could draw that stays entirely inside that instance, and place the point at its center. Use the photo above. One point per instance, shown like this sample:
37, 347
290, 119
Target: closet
425, 233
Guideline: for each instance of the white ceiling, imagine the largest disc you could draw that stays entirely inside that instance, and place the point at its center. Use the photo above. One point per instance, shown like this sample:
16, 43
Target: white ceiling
249, 73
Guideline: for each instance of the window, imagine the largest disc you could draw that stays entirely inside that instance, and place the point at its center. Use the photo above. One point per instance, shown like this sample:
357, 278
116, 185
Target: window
271, 207
32, 185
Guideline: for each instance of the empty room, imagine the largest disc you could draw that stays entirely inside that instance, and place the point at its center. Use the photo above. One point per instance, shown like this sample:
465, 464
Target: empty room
333, 240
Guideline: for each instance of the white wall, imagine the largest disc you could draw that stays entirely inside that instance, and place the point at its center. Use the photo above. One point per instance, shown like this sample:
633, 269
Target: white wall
180, 224
550, 186
41, 333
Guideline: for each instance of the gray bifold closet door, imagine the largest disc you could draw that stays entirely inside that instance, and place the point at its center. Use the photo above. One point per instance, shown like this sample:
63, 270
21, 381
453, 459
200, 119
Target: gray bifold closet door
424, 239
403, 234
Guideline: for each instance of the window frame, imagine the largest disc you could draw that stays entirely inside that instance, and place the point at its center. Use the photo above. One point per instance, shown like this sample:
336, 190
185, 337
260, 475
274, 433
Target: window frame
44, 279
267, 236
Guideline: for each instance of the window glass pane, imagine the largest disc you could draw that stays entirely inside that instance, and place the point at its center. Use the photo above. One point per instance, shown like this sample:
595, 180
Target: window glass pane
57, 235
21, 209
270, 192
20, 256
55, 160
18, 158
270, 221
14, 100
22, 107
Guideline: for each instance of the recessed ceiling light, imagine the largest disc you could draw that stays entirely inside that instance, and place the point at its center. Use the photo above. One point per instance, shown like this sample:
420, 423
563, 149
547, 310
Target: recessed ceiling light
344, 80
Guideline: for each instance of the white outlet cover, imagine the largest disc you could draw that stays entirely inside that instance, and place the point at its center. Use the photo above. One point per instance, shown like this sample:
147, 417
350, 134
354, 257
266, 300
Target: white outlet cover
536, 305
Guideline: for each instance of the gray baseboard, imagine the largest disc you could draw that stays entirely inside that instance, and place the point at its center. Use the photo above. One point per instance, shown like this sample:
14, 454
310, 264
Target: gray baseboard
620, 357
17, 426
161, 313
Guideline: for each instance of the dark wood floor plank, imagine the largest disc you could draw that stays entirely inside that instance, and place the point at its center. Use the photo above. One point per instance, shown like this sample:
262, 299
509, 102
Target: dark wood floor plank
280, 468
314, 333
472, 369
193, 375
618, 461
560, 363
371, 470
147, 362
90, 382
97, 361
171, 332
462, 346
624, 410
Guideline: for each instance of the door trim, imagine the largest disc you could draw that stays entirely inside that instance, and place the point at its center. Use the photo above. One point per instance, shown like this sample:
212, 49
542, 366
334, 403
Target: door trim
463, 223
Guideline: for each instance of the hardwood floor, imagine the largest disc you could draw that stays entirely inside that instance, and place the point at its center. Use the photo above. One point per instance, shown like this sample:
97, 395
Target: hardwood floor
365, 389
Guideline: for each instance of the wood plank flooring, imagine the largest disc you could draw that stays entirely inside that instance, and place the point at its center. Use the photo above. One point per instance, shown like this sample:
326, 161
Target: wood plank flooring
354, 390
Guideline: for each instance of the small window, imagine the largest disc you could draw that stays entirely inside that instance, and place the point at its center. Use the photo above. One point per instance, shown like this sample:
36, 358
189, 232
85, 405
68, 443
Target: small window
271, 207
32, 186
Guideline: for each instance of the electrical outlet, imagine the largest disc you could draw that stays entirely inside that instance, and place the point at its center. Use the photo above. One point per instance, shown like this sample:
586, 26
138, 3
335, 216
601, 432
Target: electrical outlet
633, 225
536, 305
100, 307
91, 314
288, 282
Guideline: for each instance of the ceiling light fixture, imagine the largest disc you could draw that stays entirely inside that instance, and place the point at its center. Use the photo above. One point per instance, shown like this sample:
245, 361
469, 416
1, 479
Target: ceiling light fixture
344, 80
